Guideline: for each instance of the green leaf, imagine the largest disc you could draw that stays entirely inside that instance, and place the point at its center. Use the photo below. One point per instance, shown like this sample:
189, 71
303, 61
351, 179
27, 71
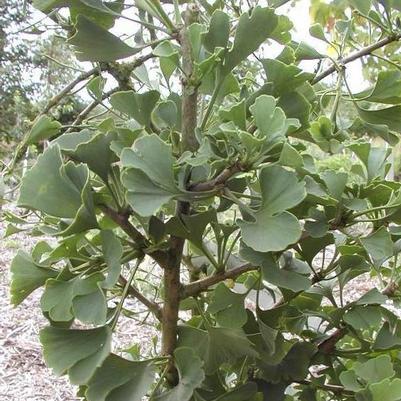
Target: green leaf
294, 366
98, 5
96, 11
251, 32
284, 78
280, 189
296, 107
165, 49
269, 336
372, 297
59, 190
228, 307
154, 8
303, 51
322, 132
386, 90
290, 157
43, 128
271, 120
240, 393
195, 32
95, 152
363, 318
335, 182
154, 158
144, 196
139, 106
277, 3
78, 352
378, 245
57, 299
70, 141
316, 30
373, 158
165, 114
350, 381
47, 5
236, 113
218, 33
363, 6
374, 370
196, 339
387, 390
283, 278
150, 177
120, 380
94, 43
112, 251
79, 297
271, 233
191, 376
311, 247
95, 87
390, 116
388, 338
274, 228
226, 346
27, 276
91, 308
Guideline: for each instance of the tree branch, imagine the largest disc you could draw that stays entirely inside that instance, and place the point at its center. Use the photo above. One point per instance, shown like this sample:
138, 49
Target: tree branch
152, 306
195, 288
328, 346
189, 86
171, 278
361, 53
218, 181
57, 98
121, 73
85, 112
122, 219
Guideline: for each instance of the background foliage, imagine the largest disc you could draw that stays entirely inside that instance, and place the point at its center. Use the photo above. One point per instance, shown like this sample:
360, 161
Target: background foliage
235, 195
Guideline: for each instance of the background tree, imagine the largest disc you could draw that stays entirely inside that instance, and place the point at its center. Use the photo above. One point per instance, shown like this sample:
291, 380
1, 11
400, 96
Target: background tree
202, 176
30, 71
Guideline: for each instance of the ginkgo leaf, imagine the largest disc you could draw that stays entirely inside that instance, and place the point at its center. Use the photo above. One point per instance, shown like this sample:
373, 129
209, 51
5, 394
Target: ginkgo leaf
191, 376
145, 197
273, 228
27, 276
43, 128
251, 32
78, 352
154, 158
94, 43
119, 379
79, 297
139, 106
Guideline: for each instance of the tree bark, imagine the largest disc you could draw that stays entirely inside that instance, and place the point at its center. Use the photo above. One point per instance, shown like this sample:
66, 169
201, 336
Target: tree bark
172, 283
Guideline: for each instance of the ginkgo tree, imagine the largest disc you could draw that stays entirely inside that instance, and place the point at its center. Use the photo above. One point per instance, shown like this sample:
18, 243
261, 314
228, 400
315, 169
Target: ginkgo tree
202, 166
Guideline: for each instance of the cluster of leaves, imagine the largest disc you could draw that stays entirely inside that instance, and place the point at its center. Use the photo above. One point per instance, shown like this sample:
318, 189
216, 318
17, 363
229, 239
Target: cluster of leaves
217, 184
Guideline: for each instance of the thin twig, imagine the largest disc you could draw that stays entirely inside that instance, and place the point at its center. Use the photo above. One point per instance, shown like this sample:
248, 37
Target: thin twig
196, 287
134, 292
354, 56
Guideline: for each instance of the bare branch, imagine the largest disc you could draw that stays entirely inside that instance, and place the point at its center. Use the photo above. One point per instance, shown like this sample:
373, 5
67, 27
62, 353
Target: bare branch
360, 53
87, 110
196, 287
67, 89
120, 76
134, 292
